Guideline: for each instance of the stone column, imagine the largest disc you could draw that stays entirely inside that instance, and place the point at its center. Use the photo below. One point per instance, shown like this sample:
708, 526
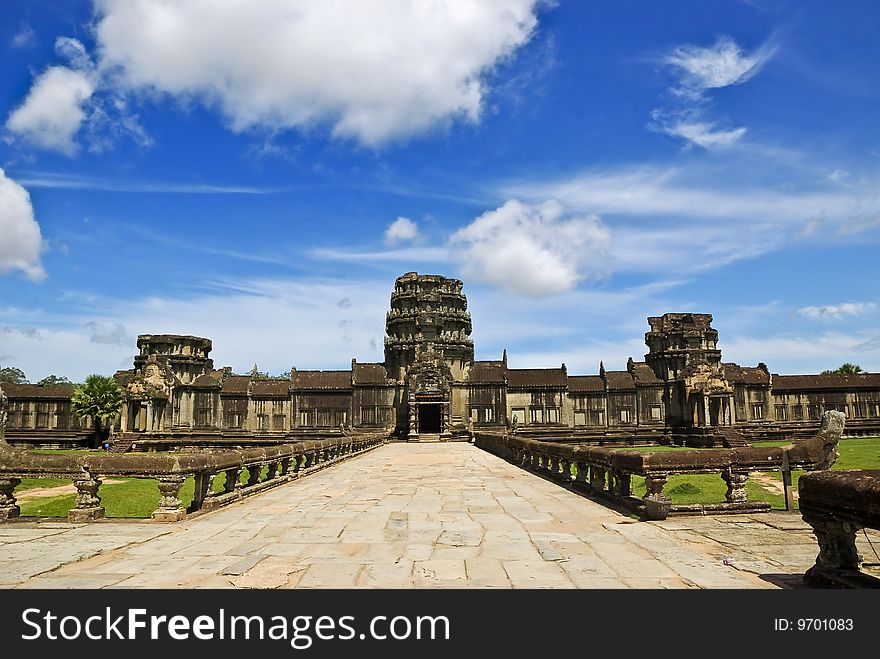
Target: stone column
203, 481
582, 472
88, 503
8, 508
170, 506
565, 470
736, 485
837, 544
657, 504
254, 474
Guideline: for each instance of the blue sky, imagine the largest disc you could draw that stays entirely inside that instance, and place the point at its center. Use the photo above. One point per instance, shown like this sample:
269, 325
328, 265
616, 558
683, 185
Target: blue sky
259, 173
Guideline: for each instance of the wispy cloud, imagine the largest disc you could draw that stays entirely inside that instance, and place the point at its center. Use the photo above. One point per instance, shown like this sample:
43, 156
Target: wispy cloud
697, 70
402, 230
838, 311
402, 255
77, 182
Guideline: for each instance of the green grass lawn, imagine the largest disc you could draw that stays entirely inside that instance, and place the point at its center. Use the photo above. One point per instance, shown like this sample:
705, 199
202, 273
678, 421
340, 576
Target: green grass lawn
133, 497
855, 453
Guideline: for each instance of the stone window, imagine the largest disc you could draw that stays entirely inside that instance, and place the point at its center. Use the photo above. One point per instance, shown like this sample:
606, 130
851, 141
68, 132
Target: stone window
597, 417
537, 415
263, 421
203, 416
757, 410
368, 416
552, 415
859, 410
383, 415
42, 415
625, 415
813, 412
279, 422
520, 414
475, 414
781, 413
307, 417
656, 413
797, 412
874, 409
489, 414
234, 419
580, 418
62, 417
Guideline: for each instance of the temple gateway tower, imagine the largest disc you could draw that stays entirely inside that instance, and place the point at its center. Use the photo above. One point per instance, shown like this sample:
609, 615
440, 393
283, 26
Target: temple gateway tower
428, 349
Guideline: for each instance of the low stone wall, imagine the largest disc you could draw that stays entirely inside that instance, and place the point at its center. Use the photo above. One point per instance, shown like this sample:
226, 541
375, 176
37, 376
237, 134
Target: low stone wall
608, 472
281, 464
839, 504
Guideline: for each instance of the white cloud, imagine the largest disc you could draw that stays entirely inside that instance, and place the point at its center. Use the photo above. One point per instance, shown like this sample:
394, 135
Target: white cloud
54, 110
701, 133
375, 70
21, 243
698, 69
720, 65
836, 311
401, 230
24, 38
693, 219
531, 250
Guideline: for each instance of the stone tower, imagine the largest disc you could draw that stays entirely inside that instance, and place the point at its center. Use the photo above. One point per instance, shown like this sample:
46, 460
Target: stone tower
427, 312
427, 348
683, 352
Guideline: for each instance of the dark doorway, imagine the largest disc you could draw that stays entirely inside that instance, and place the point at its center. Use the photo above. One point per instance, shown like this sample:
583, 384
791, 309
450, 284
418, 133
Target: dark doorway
714, 411
429, 419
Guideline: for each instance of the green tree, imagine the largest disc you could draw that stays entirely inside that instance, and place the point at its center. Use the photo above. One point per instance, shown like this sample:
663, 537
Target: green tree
51, 380
845, 369
12, 375
100, 398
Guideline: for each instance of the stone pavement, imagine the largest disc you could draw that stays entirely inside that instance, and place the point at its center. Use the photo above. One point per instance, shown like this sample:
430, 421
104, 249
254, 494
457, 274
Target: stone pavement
412, 516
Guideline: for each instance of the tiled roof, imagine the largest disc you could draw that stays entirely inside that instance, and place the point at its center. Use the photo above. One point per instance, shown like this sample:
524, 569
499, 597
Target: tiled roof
272, 388
583, 384
836, 381
745, 374
123, 378
236, 384
526, 378
369, 374
644, 374
619, 380
486, 373
313, 380
209, 379
53, 392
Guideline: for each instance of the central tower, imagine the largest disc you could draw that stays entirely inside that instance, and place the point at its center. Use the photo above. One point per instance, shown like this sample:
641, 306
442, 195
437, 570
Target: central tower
428, 347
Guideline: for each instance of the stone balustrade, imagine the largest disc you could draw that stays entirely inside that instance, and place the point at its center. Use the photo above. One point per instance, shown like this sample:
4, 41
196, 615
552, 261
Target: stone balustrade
608, 472
839, 504
267, 467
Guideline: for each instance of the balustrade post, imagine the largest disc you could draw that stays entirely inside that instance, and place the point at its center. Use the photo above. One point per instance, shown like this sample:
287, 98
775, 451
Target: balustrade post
170, 506
736, 485
552, 464
254, 472
582, 472
8, 508
285, 467
212, 481
621, 484
232, 476
657, 504
565, 470
203, 482
88, 503
597, 478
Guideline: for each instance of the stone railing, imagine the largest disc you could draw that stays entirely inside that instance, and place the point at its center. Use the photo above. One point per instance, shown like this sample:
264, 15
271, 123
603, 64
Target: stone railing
839, 504
608, 472
266, 467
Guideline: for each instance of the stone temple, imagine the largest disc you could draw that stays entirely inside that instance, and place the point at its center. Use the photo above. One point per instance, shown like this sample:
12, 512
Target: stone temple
430, 386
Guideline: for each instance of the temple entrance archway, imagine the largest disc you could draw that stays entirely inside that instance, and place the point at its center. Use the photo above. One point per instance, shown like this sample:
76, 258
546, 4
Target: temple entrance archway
430, 416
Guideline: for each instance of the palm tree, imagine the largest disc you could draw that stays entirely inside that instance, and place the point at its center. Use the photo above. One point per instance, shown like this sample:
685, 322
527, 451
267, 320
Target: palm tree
100, 398
845, 369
